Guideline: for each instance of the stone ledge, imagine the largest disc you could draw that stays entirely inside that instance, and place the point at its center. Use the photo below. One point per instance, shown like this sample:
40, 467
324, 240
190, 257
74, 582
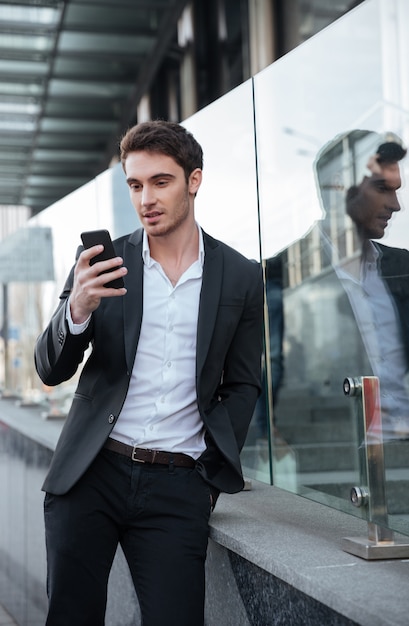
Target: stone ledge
299, 542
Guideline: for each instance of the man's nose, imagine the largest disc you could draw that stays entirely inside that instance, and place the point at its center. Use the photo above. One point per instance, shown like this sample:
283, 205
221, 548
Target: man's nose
394, 204
148, 196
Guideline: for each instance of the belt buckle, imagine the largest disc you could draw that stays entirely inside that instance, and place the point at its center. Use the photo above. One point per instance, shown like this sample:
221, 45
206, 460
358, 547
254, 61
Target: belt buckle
152, 454
133, 456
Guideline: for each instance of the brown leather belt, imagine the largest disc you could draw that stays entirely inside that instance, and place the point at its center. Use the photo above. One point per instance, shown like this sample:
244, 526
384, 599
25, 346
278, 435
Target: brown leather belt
142, 455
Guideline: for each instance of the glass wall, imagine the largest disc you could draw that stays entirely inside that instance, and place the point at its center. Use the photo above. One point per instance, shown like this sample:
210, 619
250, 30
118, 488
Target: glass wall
332, 215
292, 167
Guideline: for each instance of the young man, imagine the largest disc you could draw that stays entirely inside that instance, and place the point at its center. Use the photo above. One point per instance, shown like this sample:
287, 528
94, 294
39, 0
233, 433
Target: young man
371, 203
163, 403
378, 287
374, 279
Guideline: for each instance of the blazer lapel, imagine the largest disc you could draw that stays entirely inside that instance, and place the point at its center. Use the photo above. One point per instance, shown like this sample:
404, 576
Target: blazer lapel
209, 298
133, 300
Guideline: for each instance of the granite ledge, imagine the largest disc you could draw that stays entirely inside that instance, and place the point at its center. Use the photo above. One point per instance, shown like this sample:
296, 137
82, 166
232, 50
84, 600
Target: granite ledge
299, 541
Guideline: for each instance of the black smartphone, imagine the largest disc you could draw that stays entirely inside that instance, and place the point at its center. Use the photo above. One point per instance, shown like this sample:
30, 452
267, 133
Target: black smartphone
93, 238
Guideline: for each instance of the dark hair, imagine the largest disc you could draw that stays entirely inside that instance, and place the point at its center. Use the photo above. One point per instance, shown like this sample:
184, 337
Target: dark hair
390, 152
386, 147
167, 138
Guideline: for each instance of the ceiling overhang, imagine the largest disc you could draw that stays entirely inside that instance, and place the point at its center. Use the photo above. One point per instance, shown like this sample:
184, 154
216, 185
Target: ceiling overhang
72, 73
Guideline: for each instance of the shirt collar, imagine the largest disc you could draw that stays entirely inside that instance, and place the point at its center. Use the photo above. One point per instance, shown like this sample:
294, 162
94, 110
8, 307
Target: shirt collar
370, 252
146, 254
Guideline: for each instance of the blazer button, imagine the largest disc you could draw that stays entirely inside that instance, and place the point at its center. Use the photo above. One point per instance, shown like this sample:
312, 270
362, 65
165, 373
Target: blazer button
111, 419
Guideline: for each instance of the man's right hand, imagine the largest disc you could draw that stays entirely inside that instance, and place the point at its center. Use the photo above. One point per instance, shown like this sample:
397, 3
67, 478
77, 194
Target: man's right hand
88, 287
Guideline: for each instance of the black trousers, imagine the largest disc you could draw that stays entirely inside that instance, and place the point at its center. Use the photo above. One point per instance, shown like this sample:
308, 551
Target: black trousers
157, 513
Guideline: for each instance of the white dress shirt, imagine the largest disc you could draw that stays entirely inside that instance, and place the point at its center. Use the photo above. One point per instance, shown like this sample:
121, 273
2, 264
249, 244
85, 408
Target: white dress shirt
378, 322
160, 411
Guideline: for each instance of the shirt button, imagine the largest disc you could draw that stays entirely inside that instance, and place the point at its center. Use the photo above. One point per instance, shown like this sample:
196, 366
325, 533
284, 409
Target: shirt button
111, 419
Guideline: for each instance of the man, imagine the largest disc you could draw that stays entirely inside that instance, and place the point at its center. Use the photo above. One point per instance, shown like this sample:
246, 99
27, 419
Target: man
376, 278
163, 403
372, 202
382, 305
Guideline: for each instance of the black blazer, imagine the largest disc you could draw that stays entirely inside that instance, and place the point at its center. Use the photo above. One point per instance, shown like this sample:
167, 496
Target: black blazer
229, 345
394, 269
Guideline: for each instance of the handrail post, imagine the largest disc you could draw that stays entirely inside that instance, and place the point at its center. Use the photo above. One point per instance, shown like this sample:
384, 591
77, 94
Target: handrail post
380, 542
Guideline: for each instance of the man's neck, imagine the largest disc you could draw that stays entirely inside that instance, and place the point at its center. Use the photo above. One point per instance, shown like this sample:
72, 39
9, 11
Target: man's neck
176, 252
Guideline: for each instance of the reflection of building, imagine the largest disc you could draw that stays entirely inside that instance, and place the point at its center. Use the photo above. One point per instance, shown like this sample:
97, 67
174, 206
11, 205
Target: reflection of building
340, 168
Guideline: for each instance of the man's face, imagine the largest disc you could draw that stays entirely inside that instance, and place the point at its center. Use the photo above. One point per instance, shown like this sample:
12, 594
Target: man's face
372, 203
159, 192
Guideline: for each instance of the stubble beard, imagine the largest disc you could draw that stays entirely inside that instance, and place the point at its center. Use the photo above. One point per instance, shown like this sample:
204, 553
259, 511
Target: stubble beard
179, 218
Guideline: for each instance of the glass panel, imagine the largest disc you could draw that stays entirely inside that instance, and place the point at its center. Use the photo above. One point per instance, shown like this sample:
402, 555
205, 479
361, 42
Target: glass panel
226, 205
314, 110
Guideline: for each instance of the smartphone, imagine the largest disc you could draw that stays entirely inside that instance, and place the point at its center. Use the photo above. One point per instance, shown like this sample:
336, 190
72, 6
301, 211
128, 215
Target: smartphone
93, 238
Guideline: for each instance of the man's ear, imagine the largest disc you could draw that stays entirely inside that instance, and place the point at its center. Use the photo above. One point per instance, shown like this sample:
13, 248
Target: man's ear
195, 180
351, 195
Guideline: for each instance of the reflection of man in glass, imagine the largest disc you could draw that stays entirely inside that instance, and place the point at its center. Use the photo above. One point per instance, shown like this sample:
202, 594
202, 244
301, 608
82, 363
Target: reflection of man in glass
376, 279
372, 203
